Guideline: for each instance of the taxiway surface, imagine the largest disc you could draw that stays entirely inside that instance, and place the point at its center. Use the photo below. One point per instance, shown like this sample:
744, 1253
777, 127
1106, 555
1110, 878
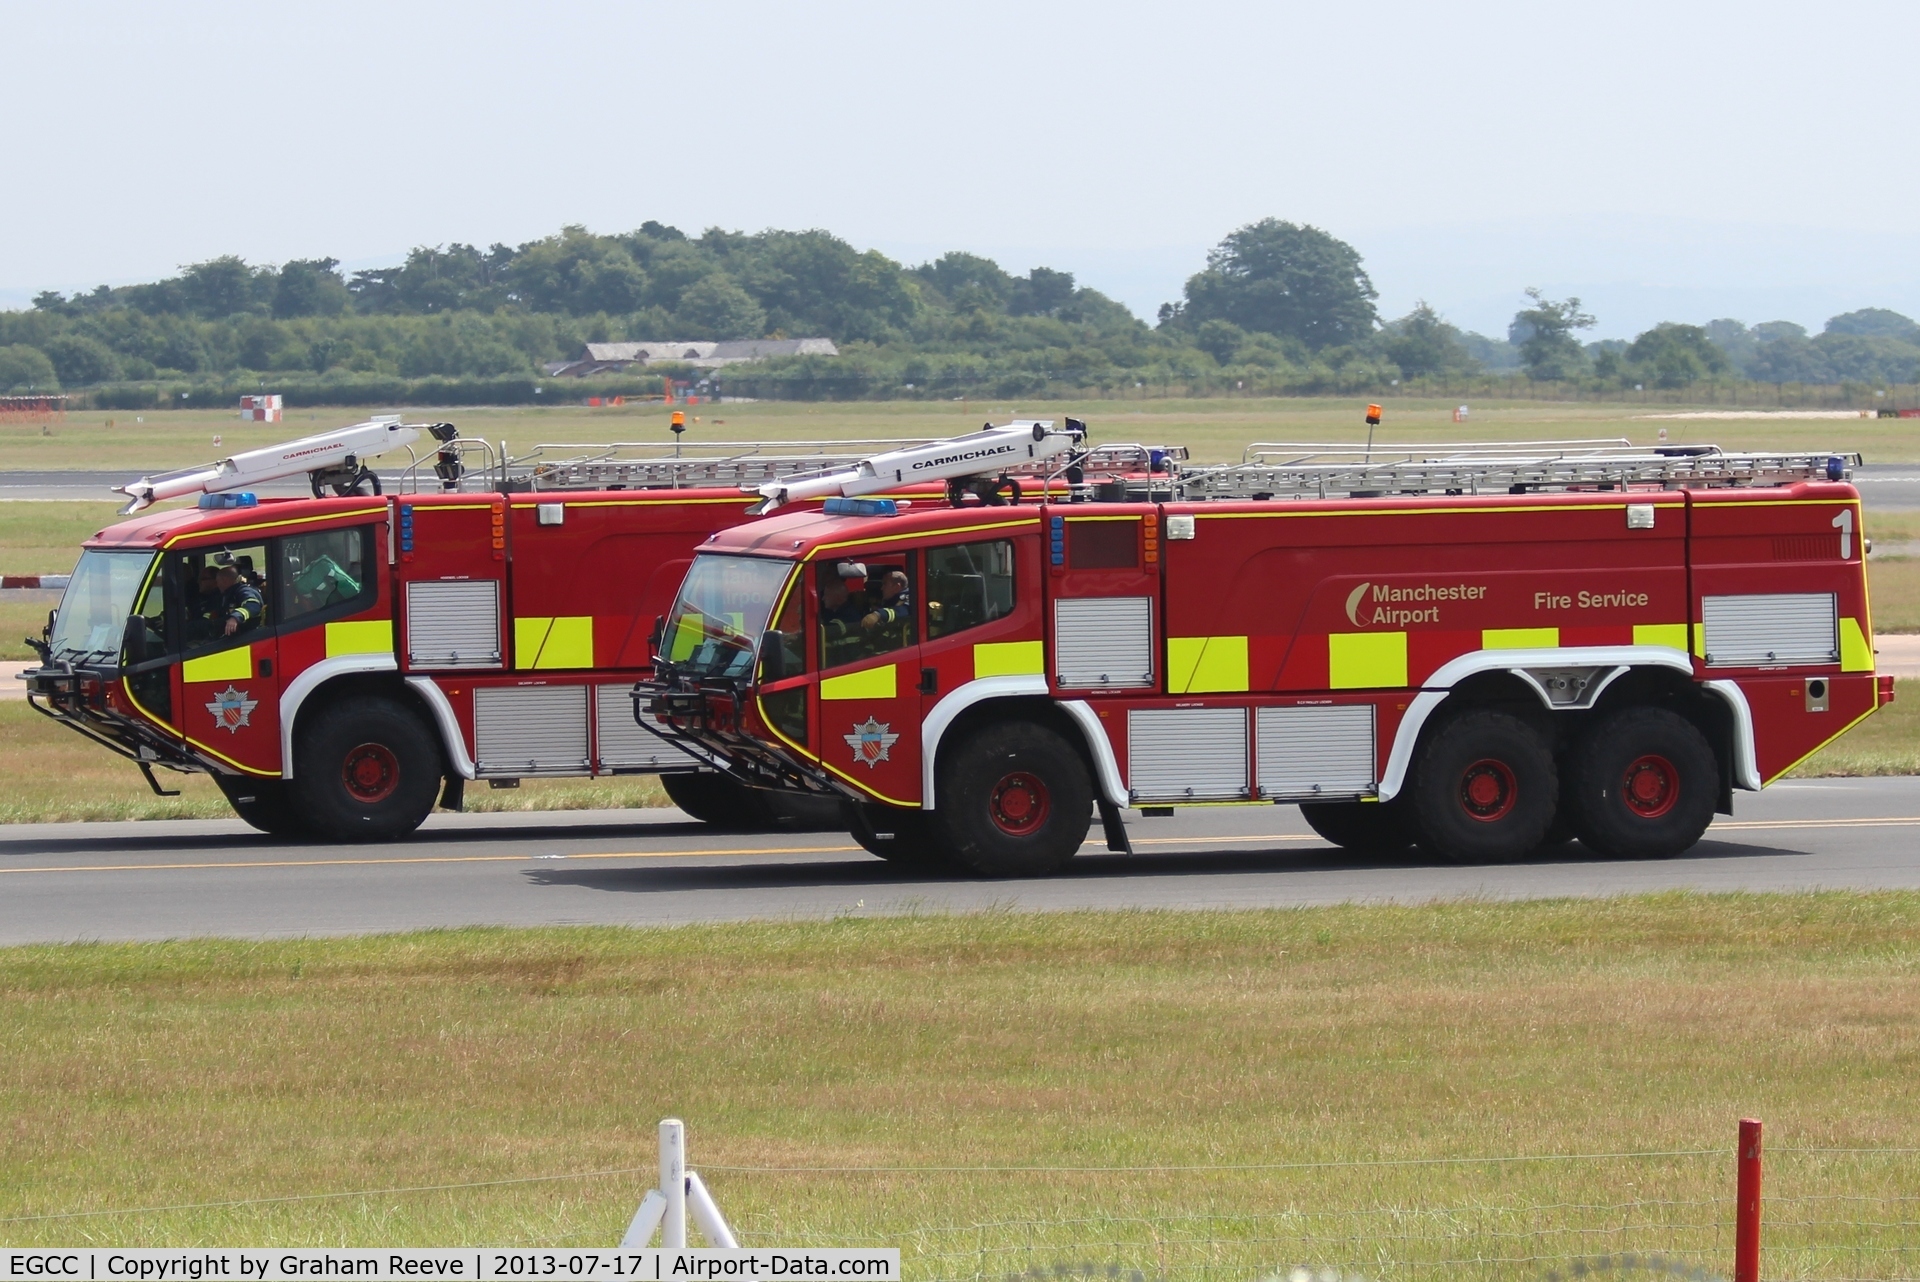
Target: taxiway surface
166, 879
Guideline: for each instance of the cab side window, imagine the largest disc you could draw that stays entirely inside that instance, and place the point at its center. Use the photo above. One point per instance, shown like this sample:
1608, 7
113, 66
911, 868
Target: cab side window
865, 608
225, 592
967, 585
319, 572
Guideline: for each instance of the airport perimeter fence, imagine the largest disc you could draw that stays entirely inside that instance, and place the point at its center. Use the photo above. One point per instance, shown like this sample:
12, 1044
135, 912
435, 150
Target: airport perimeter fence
1825, 1214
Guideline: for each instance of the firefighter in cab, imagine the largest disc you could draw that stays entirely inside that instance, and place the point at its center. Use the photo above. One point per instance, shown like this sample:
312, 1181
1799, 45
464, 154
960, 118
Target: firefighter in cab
236, 606
894, 607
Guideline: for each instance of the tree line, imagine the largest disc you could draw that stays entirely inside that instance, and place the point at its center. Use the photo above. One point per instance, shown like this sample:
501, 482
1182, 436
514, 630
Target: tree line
1277, 305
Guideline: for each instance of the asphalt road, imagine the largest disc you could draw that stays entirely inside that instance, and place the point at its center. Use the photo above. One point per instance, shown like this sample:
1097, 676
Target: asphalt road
1882, 485
168, 879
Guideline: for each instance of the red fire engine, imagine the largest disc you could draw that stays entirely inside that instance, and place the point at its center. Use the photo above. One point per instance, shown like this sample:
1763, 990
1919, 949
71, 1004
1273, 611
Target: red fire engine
1479, 649
491, 628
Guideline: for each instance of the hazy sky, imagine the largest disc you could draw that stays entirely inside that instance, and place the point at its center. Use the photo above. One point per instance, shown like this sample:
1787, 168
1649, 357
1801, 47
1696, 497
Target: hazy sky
1671, 160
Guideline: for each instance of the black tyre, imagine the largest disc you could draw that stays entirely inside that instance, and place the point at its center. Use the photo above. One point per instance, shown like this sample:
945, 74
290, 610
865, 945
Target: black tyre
262, 803
905, 838
723, 802
1364, 827
718, 800
804, 812
1484, 789
1560, 831
366, 769
1015, 801
1644, 784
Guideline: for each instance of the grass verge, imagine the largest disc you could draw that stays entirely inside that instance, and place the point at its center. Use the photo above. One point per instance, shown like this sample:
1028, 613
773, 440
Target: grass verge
1894, 585
45, 538
1886, 743
209, 1071
1216, 428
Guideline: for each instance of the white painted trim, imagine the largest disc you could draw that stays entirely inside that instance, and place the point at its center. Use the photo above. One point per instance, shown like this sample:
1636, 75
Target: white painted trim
1746, 764
436, 698
1394, 777
307, 682
1434, 690
1105, 768
957, 701
1579, 656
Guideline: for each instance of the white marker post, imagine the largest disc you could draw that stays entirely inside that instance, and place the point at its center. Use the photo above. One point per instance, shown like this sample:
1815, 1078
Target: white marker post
673, 1182
666, 1211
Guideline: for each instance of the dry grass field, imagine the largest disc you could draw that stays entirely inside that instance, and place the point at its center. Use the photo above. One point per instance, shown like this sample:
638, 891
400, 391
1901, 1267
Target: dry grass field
198, 1074
1214, 428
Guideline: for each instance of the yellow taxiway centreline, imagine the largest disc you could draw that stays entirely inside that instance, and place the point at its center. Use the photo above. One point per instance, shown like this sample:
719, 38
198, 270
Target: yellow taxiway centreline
514, 859
1741, 826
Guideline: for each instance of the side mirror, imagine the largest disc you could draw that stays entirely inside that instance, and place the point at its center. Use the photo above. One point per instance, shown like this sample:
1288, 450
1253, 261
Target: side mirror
133, 643
773, 655
659, 630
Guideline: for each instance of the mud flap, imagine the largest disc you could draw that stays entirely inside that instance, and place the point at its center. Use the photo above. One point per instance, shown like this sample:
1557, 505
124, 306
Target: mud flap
1116, 828
154, 784
454, 795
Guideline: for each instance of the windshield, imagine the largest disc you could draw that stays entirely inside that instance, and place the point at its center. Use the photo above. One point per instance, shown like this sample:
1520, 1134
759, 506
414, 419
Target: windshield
716, 623
92, 619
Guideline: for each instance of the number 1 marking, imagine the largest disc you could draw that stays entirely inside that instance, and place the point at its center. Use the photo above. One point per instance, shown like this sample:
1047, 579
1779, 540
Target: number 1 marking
1843, 522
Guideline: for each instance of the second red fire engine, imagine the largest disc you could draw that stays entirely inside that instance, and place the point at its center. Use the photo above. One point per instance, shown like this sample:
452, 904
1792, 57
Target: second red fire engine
1477, 649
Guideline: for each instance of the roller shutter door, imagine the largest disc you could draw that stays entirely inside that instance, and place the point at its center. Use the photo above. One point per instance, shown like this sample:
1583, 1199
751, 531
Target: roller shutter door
530, 730
1187, 754
1315, 752
623, 745
1103, 643
453, 623
1767, 629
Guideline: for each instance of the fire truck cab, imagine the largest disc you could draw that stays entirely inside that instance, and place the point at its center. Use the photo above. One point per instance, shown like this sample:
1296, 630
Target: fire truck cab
1481, 650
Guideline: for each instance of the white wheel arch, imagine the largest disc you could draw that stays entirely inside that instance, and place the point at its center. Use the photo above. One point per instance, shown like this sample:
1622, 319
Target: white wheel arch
301, 687
941, 716
1527, 664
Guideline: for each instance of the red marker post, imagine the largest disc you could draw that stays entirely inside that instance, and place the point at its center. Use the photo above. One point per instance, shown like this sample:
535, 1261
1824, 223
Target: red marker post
1746, 1213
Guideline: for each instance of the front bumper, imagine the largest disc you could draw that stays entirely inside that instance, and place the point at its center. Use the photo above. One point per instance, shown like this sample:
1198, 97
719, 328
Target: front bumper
83, 698
711, 720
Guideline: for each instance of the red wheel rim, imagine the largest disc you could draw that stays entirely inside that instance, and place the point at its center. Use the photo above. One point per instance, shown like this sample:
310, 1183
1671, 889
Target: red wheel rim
371, 772
1651, 786
1020, 803
1488, 790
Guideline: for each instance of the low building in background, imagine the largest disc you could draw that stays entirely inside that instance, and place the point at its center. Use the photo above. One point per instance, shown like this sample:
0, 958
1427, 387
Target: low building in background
615, 358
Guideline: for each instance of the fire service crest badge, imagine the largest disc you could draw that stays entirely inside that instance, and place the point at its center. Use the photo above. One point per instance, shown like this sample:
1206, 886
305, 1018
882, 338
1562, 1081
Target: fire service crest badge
230, 708
870, 740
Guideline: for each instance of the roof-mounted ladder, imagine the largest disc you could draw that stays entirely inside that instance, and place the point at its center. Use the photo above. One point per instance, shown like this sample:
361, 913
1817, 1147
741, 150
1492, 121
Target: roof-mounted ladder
651, 465
1310, 470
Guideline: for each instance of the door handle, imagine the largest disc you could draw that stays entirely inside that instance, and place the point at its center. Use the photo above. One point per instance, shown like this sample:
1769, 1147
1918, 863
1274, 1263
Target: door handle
929, 680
